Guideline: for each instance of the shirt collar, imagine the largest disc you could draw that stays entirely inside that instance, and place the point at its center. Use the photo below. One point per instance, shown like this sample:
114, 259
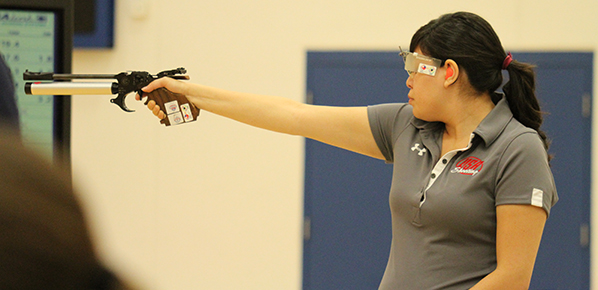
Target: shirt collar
425, 125
495, 122
490, 127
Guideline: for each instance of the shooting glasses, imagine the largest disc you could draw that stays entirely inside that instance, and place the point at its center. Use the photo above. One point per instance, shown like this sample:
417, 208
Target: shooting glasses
418, 63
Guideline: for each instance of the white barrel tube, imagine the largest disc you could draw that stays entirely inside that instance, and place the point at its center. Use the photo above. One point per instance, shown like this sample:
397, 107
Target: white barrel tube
71, 88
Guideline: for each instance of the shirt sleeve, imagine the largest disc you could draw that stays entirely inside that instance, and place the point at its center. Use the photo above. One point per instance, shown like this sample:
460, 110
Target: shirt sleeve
384, 119
524, 175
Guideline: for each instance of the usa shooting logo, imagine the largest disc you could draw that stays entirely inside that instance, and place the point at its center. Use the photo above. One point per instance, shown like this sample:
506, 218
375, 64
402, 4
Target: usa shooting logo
469, 166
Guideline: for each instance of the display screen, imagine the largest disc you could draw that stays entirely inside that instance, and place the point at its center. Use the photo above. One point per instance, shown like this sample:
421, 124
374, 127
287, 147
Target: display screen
28, 43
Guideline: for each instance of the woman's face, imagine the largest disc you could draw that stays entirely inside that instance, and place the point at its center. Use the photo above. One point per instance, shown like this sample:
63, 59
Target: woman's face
426, 94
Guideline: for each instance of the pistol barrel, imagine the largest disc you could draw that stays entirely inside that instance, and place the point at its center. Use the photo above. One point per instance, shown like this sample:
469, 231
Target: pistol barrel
71, 88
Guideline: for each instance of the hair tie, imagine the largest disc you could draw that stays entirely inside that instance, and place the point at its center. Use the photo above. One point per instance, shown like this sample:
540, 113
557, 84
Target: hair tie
507, 61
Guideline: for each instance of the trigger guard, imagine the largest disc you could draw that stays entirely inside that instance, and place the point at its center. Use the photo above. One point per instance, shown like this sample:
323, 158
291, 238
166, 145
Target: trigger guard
120, 101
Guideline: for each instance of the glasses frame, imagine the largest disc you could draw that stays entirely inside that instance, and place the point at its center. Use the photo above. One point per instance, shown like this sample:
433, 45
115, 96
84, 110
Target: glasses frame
411, 58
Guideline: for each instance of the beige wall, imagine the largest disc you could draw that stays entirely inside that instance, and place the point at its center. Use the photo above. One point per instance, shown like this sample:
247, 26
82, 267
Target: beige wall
217, 204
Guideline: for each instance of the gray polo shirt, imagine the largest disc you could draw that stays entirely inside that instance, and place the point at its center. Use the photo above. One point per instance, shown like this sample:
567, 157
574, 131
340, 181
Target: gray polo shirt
444, 207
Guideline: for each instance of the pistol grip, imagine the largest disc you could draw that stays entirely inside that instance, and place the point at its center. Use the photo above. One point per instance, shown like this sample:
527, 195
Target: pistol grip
177, 107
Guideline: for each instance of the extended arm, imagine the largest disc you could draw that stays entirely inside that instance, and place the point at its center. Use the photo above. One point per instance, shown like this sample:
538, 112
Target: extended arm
344, 127
518, 234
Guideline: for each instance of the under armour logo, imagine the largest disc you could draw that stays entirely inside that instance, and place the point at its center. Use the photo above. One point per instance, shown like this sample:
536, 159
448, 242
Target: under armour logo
421, 150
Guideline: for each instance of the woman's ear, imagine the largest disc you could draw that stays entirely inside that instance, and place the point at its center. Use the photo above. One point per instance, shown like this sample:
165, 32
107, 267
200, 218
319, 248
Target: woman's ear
451, 72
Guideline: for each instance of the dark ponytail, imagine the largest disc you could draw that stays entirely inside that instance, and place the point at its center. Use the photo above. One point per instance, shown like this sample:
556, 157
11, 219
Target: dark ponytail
521, 95
472, 43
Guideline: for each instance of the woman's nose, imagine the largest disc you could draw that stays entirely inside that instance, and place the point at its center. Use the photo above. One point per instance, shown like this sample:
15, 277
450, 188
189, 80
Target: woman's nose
409, 81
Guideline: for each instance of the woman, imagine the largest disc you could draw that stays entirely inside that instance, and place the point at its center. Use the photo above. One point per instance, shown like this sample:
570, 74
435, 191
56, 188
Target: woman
472, 186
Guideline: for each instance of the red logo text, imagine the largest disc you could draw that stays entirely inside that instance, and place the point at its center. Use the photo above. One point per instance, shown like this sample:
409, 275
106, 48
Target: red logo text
469, 166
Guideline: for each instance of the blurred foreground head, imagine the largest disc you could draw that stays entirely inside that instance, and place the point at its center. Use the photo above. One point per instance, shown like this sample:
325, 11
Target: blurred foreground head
44, 239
